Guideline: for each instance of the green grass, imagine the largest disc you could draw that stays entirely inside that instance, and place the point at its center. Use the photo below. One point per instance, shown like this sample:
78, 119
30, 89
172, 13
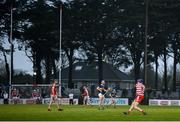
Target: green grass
80, 113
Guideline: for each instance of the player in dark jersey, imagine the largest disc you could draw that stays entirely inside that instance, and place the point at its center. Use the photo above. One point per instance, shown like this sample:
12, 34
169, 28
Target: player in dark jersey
112, 95
102, 91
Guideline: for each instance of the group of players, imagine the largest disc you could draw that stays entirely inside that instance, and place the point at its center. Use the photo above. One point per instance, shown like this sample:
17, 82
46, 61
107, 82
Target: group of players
140, 89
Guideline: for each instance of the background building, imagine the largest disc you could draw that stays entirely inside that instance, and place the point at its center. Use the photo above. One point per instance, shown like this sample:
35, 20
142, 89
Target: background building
87, 74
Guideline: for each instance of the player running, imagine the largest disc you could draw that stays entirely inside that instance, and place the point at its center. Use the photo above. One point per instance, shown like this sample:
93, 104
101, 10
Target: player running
54, 97
102, 92
140, 88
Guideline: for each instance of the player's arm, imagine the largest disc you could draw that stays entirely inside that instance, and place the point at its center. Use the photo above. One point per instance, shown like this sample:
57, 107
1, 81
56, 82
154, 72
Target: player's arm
56, 93
107, 89
83, 94
99, 89
143, 87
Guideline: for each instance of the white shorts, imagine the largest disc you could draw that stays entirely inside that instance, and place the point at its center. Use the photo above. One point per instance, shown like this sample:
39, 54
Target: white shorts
100, 95
54, 97
15, 97
86, 97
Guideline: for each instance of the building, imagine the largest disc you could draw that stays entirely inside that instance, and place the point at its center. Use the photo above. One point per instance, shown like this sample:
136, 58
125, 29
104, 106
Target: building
87, 74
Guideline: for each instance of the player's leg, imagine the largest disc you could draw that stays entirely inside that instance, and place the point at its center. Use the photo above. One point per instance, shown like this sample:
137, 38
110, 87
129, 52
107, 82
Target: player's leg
100, 100
13, 100
135, 104
138, 108
130, 109
114, 102
72, 102
50, 103
88, 101
57, 103
111, 102
84, 100
103, 98
132, 106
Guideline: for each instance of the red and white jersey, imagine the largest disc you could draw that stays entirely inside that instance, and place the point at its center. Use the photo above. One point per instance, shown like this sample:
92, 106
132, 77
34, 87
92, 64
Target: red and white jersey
14, 93
35, 94
86, 92
140, 88
53, 90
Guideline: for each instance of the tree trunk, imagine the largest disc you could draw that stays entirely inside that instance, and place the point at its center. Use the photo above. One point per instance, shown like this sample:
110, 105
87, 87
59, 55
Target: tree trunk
137, 71
12, 64
156, 72
100, 66
6, 66
137, 64
70, 57
48, 70
165, 68
174, 68
38, 68
54, 68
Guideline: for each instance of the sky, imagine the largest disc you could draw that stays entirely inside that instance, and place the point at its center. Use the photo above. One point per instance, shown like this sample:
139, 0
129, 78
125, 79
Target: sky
21, 61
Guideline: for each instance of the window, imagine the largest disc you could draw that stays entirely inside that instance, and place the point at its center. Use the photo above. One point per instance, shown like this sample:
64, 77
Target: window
77, 68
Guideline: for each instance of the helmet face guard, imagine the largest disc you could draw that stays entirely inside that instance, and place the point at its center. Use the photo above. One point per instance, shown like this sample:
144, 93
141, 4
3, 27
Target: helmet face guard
140, 81
103, 81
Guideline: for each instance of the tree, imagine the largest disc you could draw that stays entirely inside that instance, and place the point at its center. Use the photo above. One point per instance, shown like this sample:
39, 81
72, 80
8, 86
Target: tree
39, 27
98, 23
7, 11
163, 23
133, 13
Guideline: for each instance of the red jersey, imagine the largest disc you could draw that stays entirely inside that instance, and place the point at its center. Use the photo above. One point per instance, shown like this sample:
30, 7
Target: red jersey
35, 94
53, 90
14, 93
140, 88
85, 93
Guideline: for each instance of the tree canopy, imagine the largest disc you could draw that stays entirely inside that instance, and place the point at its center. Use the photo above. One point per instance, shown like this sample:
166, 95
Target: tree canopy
105, 30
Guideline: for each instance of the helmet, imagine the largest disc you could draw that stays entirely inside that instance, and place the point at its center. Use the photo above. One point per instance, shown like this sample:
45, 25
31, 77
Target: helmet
140, 81
103, 81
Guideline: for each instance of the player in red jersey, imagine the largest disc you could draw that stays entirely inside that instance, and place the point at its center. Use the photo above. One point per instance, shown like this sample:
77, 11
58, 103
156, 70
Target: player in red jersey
15, 96
86, 99
140, 88
54, 97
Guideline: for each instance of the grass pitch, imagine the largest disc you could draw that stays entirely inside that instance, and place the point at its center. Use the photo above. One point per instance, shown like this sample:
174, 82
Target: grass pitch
87, 113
